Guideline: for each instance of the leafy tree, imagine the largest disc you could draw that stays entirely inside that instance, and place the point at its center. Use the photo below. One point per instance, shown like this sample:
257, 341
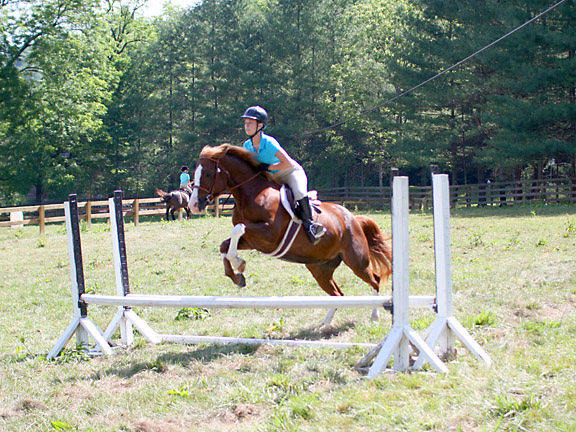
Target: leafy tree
46, 129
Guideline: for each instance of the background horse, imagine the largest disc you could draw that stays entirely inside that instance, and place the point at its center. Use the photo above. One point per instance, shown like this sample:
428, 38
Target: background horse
260, 222
174, 200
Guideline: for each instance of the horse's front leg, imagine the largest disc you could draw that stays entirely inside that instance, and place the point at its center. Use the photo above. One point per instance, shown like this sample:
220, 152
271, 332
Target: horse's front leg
234, 265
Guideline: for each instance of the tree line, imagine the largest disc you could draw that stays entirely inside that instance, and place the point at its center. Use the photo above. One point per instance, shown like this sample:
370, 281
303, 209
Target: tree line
96, 96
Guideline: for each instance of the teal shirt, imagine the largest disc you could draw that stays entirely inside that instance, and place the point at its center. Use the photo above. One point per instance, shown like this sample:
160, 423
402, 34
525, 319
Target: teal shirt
184, 178
269, 146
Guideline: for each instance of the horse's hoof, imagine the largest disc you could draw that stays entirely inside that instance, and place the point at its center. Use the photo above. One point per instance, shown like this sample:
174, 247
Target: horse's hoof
241, 281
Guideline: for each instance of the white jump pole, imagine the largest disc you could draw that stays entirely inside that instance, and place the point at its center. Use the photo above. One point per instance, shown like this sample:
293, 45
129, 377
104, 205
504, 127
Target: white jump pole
398, 341
80, 324
248, 302
443, 329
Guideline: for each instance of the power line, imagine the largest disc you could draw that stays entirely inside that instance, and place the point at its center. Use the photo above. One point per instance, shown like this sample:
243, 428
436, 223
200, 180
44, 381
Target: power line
438, 74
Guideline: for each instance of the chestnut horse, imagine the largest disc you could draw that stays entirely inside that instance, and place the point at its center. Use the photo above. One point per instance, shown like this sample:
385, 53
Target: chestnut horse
261, 222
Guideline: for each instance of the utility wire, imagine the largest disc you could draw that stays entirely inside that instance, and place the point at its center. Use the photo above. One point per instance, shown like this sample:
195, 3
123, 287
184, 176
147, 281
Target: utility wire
438, 74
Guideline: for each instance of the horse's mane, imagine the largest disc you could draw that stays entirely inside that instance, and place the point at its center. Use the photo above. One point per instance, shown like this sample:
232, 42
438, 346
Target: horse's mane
220, 151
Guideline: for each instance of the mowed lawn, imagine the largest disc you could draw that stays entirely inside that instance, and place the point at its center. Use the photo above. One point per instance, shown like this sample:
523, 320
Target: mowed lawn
514, 277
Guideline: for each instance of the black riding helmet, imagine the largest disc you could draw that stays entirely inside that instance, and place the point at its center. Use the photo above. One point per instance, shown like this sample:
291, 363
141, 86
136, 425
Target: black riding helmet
257, 113
184, 168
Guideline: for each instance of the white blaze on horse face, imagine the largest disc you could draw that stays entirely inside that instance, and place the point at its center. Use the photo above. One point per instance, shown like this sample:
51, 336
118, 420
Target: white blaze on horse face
193, 203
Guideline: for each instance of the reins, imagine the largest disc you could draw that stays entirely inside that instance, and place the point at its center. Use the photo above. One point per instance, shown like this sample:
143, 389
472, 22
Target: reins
211, 197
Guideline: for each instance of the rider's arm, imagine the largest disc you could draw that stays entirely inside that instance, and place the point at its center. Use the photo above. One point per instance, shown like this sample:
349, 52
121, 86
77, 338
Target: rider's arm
285, 161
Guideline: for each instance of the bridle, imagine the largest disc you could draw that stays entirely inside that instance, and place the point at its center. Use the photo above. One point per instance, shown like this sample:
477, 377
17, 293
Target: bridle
211, 195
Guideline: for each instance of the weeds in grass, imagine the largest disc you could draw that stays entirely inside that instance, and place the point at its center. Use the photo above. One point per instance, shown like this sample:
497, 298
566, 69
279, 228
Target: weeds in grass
93, 289
507, 406
483, 319
204, 239
539, 328
72, 355
200, 314
570, 228
302, 406
514, 241
22, 351
476, 240
276, 326
83, 226
182, 392
61, 426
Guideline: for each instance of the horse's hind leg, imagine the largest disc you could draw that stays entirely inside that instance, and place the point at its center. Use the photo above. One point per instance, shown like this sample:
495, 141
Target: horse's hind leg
360, 265
323, 273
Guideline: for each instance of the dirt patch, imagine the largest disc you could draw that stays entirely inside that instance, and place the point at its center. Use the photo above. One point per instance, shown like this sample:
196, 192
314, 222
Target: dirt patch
547, 312
228, 419
28, 405
22, 407
158, 425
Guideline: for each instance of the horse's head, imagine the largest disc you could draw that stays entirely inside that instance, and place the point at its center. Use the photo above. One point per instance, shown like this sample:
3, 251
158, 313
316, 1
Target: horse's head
220, 168
209, 180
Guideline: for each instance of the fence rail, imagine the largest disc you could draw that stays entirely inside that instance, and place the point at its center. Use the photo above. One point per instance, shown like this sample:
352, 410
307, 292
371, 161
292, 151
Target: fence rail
496, 193
90, 210
561, 190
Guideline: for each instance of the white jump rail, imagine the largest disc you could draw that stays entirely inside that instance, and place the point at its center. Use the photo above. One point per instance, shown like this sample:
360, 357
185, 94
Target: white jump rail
398, 343
246, 302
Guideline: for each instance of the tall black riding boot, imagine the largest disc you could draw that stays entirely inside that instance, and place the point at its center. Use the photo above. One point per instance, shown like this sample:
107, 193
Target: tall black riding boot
314, 230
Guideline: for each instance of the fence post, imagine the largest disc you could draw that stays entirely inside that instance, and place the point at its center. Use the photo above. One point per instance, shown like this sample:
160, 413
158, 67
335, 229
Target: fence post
41, 221
136, 216
88, 209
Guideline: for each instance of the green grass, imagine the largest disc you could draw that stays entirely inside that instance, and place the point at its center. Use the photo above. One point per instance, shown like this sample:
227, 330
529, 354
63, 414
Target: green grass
514, 277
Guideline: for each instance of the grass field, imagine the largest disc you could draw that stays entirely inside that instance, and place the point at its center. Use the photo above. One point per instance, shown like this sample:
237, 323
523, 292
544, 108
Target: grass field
514, 277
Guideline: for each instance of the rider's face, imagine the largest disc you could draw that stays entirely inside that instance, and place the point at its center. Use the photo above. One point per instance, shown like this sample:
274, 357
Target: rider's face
250, 126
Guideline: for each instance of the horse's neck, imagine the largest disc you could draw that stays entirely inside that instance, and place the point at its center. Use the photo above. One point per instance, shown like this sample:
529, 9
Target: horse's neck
245, 185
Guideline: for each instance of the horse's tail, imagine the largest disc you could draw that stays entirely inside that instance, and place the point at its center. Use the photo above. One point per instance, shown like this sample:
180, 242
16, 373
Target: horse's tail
380, 248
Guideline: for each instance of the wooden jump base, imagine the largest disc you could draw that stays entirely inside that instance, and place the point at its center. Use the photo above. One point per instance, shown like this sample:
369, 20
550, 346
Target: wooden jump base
398, 342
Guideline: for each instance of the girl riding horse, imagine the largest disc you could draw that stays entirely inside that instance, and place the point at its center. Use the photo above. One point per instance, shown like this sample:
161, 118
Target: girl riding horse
284, 169
262, 222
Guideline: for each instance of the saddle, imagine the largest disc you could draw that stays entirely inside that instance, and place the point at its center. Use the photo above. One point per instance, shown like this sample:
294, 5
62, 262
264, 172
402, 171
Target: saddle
289, 203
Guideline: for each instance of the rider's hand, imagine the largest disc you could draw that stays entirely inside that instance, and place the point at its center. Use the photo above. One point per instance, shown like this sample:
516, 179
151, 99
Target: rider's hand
264, 167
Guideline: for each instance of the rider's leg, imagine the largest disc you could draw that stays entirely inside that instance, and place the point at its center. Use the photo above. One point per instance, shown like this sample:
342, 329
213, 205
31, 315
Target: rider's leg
314, 230
298, 182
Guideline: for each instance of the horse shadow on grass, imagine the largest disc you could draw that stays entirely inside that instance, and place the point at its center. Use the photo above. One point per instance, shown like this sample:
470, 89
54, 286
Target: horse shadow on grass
208, 353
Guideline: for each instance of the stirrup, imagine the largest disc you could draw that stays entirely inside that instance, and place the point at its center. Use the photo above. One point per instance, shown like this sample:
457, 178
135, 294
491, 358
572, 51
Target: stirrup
317, 230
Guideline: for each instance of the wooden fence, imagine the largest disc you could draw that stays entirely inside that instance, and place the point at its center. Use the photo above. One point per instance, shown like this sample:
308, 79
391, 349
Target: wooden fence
496, 193
89, 210
362, 198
